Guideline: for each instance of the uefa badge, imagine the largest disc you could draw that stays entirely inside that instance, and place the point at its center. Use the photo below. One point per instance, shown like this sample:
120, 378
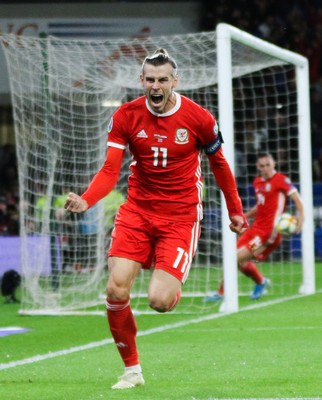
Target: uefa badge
110, 125
216, 129
182, 136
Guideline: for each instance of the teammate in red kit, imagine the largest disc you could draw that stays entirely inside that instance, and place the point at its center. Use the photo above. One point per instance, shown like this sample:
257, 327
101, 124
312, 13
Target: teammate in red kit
159, 223
272, 190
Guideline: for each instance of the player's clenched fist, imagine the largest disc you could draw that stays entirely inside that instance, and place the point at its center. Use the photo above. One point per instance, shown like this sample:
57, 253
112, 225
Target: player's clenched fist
238, 224
75, 203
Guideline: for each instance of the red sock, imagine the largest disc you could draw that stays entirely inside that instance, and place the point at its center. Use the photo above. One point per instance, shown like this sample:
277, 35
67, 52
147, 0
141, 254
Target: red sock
221, 288
123, 328
250, 269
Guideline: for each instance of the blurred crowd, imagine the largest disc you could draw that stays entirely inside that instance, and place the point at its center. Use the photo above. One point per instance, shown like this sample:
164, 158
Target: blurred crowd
295, 25
9, 192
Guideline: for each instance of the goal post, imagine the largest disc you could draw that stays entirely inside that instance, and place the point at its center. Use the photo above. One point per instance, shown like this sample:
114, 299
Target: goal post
226, 34
64, 93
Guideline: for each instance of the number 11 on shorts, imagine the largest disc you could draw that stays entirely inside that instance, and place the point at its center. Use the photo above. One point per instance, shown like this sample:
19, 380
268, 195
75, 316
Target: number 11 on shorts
181, 254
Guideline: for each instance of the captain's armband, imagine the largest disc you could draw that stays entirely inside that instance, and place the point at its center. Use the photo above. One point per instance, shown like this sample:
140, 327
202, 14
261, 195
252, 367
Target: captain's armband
214, 146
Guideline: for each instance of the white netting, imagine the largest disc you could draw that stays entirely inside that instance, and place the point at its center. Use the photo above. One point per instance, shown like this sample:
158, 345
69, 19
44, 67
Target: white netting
265, 104
64, 93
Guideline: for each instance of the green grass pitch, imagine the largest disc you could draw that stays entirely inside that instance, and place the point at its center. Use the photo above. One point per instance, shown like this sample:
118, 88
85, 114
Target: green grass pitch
268, 350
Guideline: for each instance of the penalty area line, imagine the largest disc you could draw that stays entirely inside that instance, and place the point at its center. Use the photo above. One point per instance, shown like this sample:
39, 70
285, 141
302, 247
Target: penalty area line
162, 328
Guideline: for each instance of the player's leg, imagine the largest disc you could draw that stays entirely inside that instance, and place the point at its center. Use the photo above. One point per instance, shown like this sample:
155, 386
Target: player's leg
129, 242
216, 296
174, 251
249, 248
261, 255
245, 243
250, 269
247, 266
122, 273
252, 246
164, 291
248, 245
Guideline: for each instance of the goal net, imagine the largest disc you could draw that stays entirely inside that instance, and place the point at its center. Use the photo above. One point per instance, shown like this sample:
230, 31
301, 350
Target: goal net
63, 95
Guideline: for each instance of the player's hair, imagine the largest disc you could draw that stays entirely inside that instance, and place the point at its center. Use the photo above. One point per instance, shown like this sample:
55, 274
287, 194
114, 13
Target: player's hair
161, 57
264, 154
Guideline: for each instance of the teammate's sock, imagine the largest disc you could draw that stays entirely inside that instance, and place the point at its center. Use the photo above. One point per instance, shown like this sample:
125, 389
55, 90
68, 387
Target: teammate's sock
250, 269
221, 288
123, 328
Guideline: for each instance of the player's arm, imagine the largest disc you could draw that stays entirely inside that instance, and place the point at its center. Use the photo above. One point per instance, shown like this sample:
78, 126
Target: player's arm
227, 183
101, 185
295, 196
251, 213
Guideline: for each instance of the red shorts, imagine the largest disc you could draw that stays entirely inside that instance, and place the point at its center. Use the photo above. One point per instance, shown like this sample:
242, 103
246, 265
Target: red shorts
253, 239
168, 245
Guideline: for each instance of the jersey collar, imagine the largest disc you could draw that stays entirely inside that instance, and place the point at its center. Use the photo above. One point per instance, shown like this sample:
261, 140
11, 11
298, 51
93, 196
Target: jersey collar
268, 179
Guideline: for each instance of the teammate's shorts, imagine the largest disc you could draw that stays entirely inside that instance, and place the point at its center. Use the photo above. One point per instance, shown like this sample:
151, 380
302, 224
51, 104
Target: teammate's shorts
152, 241
253, 239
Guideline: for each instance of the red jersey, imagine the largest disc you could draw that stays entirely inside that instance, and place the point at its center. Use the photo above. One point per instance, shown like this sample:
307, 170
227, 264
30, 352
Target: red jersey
166, 176
166, 149
271, 196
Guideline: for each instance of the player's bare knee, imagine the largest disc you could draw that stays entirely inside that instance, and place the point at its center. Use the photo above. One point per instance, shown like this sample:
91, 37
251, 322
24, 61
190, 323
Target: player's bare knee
159, 305
159, 308
116, 292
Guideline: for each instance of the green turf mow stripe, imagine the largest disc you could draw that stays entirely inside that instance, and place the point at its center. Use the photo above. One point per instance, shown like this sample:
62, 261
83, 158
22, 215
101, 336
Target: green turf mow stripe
42, 357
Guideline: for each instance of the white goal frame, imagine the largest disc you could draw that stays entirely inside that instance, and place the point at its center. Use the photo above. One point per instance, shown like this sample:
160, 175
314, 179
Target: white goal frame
225, 34
260, 94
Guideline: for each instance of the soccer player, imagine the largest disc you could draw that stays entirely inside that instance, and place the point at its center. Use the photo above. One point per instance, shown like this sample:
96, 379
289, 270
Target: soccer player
159, 223
272, 190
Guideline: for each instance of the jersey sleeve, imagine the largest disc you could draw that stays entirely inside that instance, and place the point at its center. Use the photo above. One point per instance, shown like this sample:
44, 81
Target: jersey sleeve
287, 186
211, 138
117, 131
226, 181
106, 178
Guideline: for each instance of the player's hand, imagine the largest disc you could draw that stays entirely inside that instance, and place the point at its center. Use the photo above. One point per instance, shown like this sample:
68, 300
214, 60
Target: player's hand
238, 224
75, 203
299, 223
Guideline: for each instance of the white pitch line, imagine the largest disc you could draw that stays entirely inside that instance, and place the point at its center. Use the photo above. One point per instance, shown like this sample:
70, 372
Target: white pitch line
264, 329
271, 398
42, 357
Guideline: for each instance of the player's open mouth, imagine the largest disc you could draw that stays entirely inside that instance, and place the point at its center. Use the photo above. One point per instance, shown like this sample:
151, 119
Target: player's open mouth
157, 98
